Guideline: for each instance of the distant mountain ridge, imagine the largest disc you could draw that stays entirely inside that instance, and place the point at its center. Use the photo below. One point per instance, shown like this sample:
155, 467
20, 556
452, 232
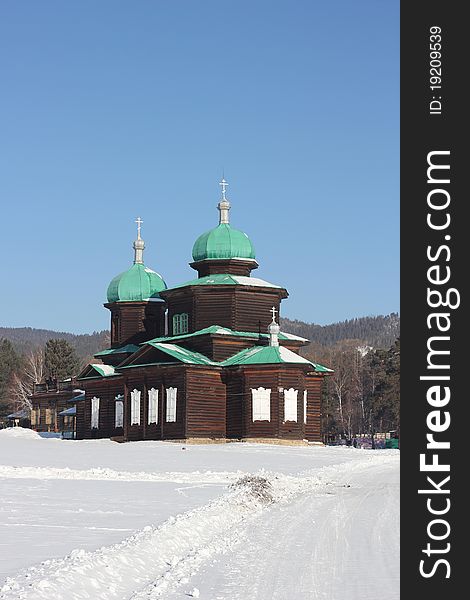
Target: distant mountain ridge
379, 332
27, 338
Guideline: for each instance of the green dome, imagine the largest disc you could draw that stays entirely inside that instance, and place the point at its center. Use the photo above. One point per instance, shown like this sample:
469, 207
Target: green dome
223, 242
139, 283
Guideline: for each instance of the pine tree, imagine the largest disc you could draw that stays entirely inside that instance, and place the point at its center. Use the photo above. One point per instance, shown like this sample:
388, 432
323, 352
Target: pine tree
9, 361
385, 401
60, 359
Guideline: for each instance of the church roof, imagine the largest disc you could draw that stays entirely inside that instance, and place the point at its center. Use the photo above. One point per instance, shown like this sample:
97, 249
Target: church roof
180, 354
137, 284
223, 242
219, 330
226, 279
264, 355
128, 349
97, 370
256, 355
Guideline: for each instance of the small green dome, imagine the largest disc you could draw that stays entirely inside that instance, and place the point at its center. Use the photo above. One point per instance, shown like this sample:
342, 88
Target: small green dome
139, 283
223, 242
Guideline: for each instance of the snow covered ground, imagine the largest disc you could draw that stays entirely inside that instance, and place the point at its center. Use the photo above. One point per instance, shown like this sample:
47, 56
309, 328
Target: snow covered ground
146, 520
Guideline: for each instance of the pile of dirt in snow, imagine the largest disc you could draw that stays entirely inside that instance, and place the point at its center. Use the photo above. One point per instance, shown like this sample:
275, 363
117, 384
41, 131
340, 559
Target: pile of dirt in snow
19, 432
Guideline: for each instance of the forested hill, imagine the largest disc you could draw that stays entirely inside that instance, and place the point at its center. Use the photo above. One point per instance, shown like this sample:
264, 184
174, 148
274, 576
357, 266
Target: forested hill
378, 332
26, 338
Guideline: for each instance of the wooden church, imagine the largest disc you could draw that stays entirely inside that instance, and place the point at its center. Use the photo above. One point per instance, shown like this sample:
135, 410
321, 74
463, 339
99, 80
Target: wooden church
202, 360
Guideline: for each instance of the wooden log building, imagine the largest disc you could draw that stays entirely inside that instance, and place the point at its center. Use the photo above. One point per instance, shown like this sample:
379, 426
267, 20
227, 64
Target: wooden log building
202, 360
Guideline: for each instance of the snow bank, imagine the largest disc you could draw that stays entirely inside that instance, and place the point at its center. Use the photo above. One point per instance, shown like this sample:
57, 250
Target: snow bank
157, 560
19, 432
105, 474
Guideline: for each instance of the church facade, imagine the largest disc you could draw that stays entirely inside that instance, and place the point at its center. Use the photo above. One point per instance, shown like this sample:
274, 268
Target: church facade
203, 360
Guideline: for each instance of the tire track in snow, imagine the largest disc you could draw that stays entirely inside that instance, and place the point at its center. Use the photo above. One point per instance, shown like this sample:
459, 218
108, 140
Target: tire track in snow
157, 560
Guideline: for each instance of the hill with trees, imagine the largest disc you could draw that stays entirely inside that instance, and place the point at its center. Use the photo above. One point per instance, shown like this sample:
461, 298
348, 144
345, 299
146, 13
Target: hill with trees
361, 397
379, 332
25, 339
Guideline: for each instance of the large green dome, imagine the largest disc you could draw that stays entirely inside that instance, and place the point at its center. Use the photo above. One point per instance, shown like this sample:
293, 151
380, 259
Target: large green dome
139, 283
223, 242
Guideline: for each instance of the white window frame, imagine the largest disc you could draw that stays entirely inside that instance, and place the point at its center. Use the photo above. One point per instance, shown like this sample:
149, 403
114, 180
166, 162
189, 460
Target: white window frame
180, 323
305, 406
119, 412
290, 405
95, 412
261, 404
153, 406
171, 395
135, 407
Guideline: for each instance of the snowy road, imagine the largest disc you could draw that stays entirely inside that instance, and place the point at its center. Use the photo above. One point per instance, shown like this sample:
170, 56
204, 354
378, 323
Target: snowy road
341, 544
104, 521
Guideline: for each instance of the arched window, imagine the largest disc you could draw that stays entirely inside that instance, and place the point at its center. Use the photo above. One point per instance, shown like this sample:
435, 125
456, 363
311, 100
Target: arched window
135, 407
180, 323
171, 404
290, 405
95, 412
153, 406
261, 404
119, 411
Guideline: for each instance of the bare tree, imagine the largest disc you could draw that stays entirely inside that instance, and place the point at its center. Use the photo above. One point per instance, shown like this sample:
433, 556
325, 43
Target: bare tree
22, 382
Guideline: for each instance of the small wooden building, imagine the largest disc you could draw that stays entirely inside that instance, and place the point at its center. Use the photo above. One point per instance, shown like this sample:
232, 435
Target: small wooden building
49, 401
200, 360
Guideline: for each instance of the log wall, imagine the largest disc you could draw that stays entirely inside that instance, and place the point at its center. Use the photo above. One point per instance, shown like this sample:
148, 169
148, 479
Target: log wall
314, 385
206, 403
136, 322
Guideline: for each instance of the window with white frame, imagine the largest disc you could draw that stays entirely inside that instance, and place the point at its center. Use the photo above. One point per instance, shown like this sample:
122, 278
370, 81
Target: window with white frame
290, 404
135, 407
305, 406
95, 412
171, 404
153, 406
180, 323
119, 412
261, 404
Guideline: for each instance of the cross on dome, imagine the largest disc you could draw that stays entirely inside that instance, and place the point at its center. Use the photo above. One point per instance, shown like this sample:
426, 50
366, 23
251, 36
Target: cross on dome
224, 204
139, 224
139, 244
223, 184
273, 329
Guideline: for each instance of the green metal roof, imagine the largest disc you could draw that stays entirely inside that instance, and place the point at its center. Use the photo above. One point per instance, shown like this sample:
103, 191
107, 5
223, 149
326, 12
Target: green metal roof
129, 349
219, 330
222, 242
104, 370
256, 355
226, 279
100, 370
137, 284
269, 355
181, 354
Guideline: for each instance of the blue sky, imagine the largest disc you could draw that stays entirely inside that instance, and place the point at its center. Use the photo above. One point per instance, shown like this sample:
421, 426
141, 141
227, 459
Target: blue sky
111, 109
